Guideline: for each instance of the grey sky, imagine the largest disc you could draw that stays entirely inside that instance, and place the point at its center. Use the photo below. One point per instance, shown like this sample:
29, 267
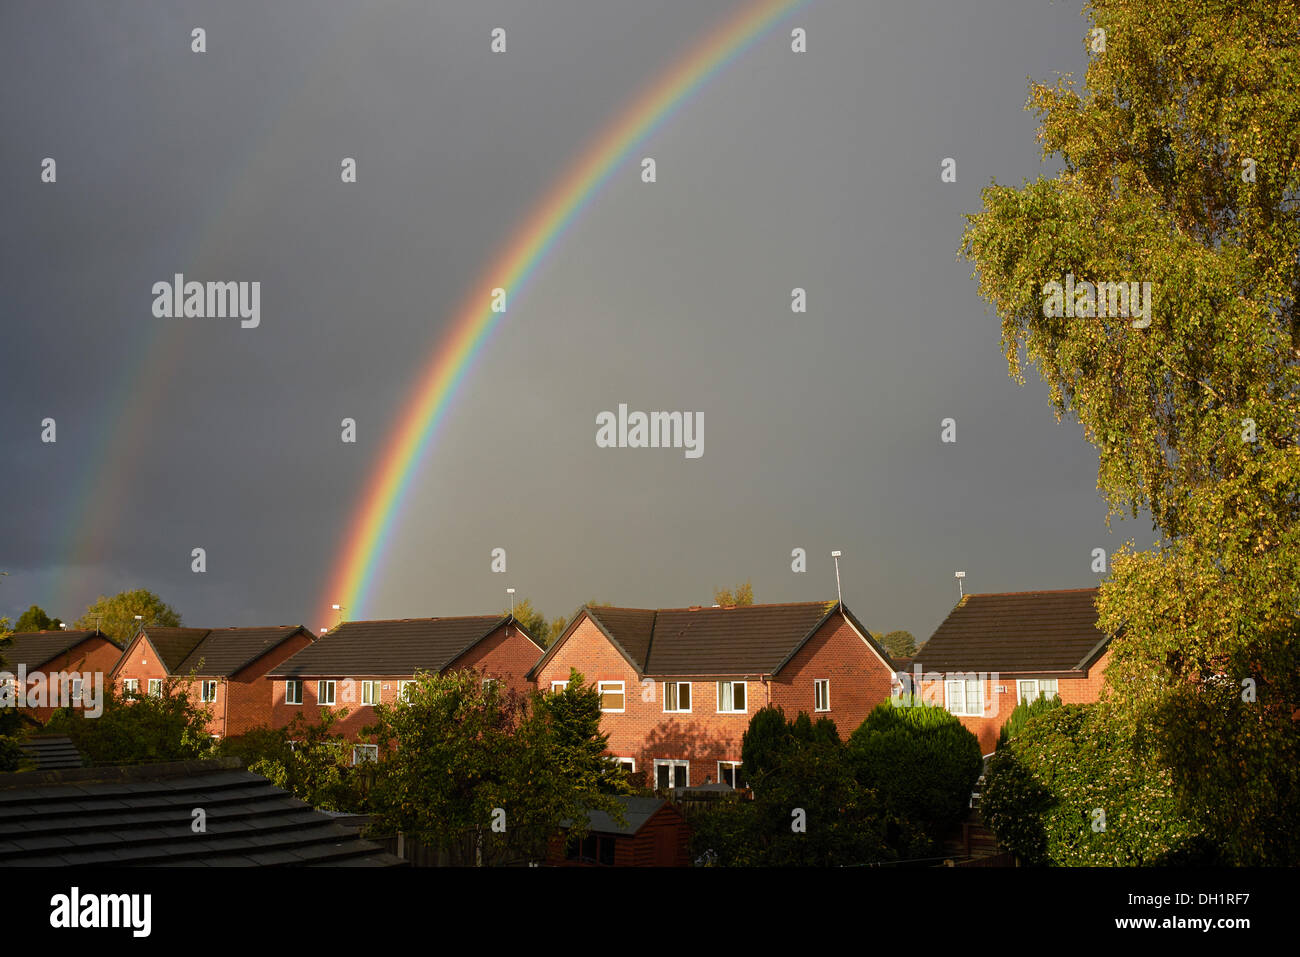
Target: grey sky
818, 170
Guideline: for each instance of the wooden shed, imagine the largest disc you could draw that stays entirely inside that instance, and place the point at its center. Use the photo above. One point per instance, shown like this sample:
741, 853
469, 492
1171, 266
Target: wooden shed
656, 835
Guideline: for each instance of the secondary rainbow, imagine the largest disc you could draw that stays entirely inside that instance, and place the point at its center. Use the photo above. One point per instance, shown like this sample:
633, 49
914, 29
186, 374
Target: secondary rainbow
370, 529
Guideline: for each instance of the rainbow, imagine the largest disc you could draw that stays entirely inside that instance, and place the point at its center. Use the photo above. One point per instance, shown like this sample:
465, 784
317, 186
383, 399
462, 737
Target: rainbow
369, 532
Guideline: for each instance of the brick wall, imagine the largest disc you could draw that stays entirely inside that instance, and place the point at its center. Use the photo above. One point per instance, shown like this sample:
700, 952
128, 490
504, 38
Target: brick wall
94, 655
1082, 688
644, 732
505, 654
859, 678
242, 701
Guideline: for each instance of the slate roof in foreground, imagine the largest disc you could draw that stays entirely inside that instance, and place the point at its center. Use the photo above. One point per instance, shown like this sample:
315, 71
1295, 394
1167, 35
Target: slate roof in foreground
142, 815
1017, 632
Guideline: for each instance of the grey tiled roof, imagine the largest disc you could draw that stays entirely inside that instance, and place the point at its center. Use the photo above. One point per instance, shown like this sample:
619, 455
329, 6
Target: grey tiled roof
734, 640
35, 648
400, 646
1017, 632
216, 652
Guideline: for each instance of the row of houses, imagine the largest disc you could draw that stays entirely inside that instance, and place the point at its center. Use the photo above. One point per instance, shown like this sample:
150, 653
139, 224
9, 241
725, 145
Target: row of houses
678, 686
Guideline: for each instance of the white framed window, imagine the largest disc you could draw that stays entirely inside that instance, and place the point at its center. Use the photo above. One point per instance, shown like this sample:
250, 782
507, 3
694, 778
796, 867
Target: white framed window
361, 753
731, 697
1029, 689
557, 686
672, 774
627, 764
729, 773
130, 685
965, 697
76, 691
155, 687
822, 694
293, 692
490, 683
612, 697
9, 691
370, 692
325, 692
208, 691
677, 696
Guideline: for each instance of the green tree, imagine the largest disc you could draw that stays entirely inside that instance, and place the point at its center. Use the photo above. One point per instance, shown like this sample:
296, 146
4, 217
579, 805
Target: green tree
35, 619
808, 809
1072, 789
899, 643
532, 619
920, 760
115, 616
474, 770
743, 595
580, 745
1022, 714
138, 729
310, 760
1178, 168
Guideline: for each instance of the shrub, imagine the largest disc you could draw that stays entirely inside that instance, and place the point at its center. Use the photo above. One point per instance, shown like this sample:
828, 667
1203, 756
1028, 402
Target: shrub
1022, 713
137, 729
920, 760
1044, 789
317, 769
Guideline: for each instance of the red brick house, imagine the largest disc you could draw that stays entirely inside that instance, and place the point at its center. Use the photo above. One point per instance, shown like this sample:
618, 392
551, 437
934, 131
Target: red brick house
364, 663
994, 651
680, 685
221, 668
43, 669
655, 835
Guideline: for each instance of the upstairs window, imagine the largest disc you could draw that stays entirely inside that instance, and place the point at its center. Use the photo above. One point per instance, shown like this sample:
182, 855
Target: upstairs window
208, 692
325, 692
822, 694
558, 686
131, 686
293, 692
611, 696
677, 696
370, 692
731, 697
155, 687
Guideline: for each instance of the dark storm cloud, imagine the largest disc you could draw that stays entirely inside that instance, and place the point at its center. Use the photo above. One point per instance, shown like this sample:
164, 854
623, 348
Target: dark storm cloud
822, 430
